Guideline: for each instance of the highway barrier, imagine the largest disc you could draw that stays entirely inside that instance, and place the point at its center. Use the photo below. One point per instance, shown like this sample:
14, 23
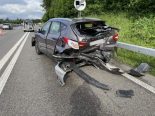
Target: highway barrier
136, 48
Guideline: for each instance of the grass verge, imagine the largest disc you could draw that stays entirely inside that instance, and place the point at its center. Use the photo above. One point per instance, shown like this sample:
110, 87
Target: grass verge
134, 59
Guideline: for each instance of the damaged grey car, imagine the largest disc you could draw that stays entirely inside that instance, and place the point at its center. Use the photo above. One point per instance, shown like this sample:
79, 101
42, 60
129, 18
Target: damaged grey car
75, 43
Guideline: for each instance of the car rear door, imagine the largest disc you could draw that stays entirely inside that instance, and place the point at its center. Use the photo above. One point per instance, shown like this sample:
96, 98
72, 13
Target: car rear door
42, 36
52, 37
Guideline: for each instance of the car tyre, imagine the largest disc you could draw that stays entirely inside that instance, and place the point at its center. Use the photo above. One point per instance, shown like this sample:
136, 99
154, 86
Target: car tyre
37, 48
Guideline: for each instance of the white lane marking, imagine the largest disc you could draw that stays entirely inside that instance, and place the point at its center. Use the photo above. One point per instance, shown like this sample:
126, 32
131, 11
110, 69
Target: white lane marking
11, 51
139, 82
8, 70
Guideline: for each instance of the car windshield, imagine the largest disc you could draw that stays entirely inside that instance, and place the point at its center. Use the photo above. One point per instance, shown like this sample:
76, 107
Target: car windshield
90, 28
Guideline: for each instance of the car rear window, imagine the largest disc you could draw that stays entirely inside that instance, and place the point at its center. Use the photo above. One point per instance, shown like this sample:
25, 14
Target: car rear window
89, 28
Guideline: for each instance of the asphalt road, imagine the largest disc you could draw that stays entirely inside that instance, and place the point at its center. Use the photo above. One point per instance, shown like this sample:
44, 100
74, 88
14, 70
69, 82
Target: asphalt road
8, 40
32, 89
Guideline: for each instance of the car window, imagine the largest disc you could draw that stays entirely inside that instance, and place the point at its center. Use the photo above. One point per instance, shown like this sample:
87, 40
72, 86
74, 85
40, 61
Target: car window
63, 27
55, 28
88, 25
90, 28
45, 28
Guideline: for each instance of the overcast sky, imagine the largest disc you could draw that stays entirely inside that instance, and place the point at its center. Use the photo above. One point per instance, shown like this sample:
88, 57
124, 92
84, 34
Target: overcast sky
24, 9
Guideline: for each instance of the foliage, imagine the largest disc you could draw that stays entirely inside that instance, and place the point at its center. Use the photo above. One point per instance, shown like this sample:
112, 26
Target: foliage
7, 20
65, 8
143, 28
36, 21
139, 31
58, 8
16, 21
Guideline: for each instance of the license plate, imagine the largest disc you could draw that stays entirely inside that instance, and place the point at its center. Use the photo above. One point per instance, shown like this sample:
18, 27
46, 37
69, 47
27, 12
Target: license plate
97, 42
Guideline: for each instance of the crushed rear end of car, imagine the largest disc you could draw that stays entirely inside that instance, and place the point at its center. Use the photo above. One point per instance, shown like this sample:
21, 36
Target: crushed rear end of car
91, 37
94, 45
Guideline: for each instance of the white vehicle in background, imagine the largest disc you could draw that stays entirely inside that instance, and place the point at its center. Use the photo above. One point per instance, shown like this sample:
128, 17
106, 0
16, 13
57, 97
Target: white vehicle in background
7, 26
28, 26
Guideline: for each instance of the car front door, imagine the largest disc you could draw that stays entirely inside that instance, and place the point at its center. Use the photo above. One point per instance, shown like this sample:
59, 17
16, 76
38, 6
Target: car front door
52, 37
42, 37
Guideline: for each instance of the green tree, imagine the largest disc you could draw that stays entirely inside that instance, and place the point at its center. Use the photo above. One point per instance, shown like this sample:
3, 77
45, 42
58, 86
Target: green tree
65, 8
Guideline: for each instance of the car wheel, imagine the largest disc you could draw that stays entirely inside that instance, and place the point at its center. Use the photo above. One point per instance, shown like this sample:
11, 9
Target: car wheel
37, 48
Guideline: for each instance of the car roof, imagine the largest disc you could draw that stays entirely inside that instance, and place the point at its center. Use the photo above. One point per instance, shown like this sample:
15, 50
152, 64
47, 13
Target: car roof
74, 20
85, 19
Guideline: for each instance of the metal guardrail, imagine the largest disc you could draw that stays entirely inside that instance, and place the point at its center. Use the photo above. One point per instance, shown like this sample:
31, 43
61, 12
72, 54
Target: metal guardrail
138, 49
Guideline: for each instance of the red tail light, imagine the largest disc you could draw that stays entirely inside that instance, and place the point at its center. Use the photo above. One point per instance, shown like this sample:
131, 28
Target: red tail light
65, 40
71, 43
82, 44
115, 37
